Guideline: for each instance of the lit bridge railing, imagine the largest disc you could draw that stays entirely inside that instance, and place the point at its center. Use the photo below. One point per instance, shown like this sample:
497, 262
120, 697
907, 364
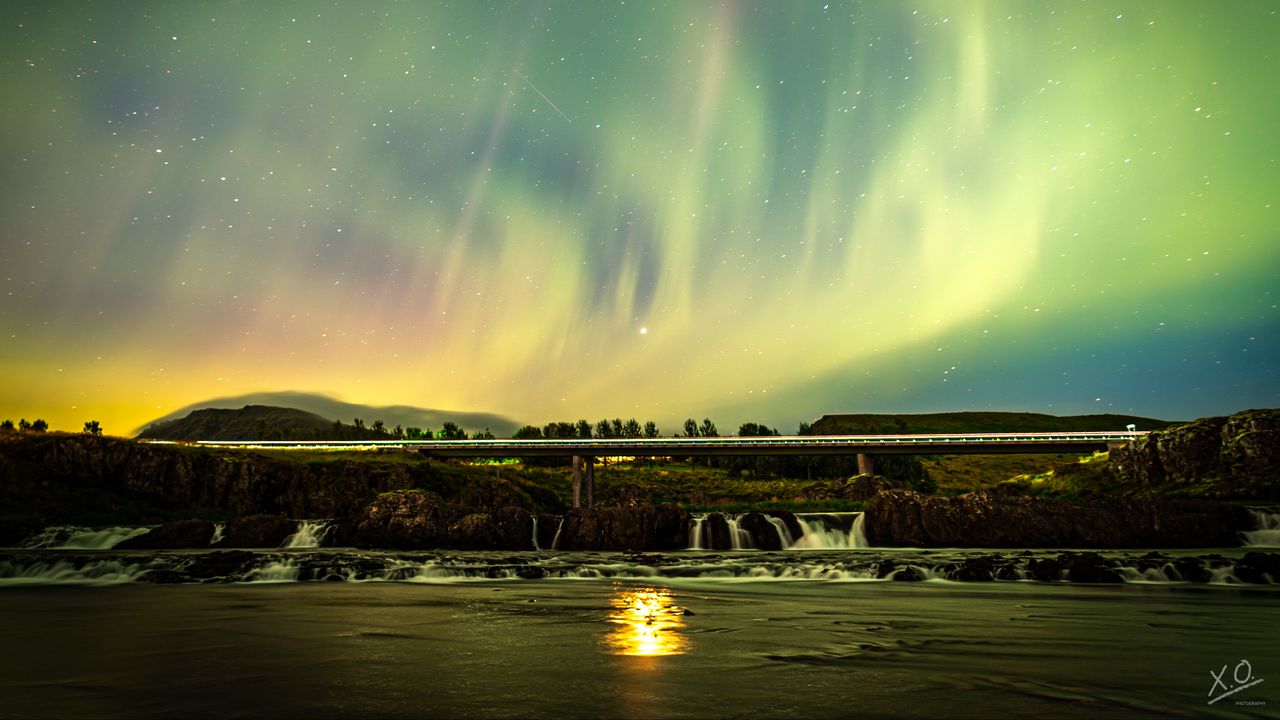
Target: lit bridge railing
922, 444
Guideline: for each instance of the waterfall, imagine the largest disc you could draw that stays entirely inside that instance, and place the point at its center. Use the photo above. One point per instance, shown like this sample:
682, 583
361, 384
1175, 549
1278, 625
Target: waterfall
309, 534
72, 537
831, 531
784, 533
695, 535
273, 572
740, 538
535, 530
218, 530
858, 536
1266, 532
555, 541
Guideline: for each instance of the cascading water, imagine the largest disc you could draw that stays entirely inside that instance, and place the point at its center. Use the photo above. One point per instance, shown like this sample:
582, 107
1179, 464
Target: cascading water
218, 530
535, 531
859, 533
784, 533
740, 537
71, 537
695, 533
1266, 532
309, 534
831, 531
555, 541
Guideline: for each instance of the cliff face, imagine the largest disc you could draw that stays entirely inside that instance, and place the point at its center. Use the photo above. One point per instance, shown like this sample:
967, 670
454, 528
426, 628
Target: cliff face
1237, 456
201, 480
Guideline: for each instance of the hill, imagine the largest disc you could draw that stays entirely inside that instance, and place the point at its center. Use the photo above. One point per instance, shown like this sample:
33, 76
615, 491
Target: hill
252, 422
977, 422
331, 409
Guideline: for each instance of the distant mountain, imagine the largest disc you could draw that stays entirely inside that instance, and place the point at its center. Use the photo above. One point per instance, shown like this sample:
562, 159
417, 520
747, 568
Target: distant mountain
328, 410
977, 422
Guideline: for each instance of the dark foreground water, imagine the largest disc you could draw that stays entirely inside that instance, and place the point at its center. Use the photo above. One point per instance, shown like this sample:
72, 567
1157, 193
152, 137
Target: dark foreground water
700, 647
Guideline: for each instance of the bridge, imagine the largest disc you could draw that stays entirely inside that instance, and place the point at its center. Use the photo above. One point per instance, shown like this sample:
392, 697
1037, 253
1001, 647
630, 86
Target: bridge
584, 451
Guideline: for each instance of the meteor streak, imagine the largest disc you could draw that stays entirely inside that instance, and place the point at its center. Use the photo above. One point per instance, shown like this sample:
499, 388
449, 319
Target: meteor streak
544, 97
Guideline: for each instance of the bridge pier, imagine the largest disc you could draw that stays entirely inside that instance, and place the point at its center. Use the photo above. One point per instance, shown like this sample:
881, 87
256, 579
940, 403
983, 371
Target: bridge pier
866, 466
578, 477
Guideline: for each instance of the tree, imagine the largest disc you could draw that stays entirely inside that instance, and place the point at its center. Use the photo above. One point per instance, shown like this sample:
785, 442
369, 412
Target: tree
584, 430
691, 428
358, 423
651, 429
751, 429
451, 431
39, 425
615, 427
93, 428
483, 435
528, 432
398, 432
7, 426
604, 430
631, 429
378, 428
708, 428
23, 424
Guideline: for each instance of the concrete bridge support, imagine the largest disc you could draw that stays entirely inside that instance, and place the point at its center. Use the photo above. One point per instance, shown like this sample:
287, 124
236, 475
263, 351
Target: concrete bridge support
866, 466
584, 479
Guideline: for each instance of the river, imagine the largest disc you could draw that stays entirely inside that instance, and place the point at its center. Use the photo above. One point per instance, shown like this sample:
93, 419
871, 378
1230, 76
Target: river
645, 642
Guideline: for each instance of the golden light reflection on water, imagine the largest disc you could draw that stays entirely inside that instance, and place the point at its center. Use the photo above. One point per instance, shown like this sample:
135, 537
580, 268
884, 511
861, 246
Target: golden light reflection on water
646, 622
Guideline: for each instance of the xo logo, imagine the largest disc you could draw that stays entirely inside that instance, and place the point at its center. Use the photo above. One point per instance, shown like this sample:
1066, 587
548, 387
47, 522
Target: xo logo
1242, 674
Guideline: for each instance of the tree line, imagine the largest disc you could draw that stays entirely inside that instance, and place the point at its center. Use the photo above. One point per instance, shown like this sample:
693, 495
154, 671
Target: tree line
91, 427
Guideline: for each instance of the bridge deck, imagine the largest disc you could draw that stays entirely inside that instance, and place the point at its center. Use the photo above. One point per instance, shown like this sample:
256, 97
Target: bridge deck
917, 444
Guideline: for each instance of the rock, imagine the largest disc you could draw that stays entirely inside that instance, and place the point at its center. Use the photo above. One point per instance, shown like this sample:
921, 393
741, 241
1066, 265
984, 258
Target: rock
1090, 568
179, 534
906, 518
473, 532
223, 566
1233, 457
715, 532
974, 569
1258, 568
411, 519
257, 531
909, 573
856, 489
647, 527
788, 518
764, 535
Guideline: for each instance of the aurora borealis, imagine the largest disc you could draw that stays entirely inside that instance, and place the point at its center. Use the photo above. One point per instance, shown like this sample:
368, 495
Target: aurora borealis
749, 211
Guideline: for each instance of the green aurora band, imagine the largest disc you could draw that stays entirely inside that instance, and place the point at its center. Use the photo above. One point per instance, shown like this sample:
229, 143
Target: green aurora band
753, 211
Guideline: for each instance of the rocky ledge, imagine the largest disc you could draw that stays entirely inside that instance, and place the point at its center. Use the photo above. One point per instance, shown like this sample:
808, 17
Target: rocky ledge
905, 518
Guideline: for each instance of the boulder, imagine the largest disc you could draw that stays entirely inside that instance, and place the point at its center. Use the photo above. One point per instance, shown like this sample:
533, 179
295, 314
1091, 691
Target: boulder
179, 534
257, 531
715, 532
858, 488
764, 535
409, 519
474, 532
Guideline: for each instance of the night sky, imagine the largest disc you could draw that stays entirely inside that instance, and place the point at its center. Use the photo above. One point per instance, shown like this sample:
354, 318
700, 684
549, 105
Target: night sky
749, 211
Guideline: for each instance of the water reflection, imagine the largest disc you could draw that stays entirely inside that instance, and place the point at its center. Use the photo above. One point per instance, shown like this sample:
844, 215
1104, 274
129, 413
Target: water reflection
646, 622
